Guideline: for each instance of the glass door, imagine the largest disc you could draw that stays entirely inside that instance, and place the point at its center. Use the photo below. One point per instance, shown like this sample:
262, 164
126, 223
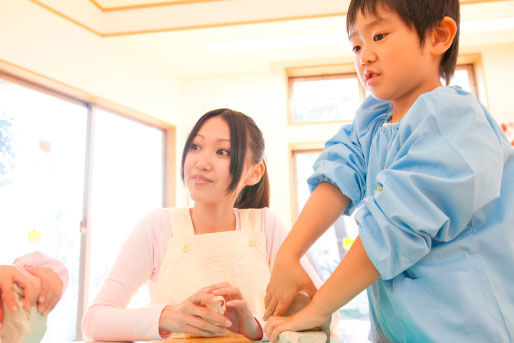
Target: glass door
42, 150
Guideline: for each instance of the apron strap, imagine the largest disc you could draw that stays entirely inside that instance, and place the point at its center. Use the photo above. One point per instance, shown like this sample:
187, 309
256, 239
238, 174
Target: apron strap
180, 223
250, 220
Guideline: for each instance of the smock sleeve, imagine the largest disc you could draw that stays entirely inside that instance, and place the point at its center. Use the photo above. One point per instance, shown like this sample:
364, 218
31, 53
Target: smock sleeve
449, 164
343, 162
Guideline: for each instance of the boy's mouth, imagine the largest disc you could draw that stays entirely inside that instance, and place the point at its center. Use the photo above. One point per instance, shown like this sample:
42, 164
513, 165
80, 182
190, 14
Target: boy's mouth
370, 75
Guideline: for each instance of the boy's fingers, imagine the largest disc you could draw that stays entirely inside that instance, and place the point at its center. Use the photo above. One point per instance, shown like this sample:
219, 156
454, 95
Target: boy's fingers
281, 307
311, 288
270, 309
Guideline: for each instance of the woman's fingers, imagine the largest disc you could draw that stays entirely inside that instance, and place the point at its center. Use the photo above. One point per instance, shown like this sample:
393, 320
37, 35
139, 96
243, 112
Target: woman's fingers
205, 327
207, 314
229, 291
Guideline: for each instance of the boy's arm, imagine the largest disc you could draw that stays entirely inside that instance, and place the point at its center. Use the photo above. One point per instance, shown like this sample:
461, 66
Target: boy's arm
323, 207
354, 274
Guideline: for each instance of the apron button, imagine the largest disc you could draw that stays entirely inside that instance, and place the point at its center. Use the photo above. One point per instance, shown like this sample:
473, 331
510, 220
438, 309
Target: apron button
186, 248
252, 243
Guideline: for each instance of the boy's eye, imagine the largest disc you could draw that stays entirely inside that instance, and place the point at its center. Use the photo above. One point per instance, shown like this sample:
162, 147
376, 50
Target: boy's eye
223, 152
379, 36
356, 49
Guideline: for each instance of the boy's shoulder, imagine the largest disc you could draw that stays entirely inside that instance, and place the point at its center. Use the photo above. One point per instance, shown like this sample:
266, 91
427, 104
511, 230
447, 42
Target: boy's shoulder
448, 102
372, 112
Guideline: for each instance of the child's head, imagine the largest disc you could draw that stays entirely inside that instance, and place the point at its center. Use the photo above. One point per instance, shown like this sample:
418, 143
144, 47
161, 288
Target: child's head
422, 16
245, 150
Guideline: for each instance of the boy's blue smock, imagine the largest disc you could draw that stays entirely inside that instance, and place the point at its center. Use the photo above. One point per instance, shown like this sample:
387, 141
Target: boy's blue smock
436, 216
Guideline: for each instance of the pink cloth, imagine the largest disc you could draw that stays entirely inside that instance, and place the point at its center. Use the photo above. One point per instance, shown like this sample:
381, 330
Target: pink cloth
37, 259
138, 263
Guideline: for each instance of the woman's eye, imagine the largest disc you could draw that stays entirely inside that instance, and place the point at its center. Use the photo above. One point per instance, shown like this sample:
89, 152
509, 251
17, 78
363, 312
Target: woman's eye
379, 36
223, 152
194, 146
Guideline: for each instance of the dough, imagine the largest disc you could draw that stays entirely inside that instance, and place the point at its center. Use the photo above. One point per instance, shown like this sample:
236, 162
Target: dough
302, 337
22, 326
218, 307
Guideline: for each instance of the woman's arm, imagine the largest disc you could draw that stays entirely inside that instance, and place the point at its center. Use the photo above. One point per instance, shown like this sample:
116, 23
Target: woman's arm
139, 261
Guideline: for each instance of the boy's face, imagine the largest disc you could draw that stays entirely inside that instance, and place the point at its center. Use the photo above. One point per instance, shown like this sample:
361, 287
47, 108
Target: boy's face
389, 60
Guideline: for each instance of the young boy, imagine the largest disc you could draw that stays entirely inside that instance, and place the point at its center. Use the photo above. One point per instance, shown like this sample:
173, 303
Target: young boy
434, 178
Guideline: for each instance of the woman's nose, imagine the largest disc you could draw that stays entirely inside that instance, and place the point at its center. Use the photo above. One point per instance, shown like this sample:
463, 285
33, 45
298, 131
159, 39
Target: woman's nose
203, 163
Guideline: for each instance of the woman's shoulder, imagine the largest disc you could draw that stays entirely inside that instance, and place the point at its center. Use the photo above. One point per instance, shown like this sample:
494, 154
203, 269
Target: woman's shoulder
155, 222
269, 219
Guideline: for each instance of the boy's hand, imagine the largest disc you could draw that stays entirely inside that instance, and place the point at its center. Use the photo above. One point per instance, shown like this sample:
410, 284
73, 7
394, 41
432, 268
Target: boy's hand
306, 319
287, 278
51, 288
237, 311
31, 285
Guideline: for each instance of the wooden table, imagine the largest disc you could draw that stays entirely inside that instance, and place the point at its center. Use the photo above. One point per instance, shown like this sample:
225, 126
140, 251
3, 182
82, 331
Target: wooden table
232, 338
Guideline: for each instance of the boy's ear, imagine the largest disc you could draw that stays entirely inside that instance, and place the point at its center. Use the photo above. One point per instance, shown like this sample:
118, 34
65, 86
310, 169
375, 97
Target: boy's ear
442, 35
256, 174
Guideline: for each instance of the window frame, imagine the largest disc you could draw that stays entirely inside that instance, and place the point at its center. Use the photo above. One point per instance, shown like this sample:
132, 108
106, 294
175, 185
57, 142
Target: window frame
319, 77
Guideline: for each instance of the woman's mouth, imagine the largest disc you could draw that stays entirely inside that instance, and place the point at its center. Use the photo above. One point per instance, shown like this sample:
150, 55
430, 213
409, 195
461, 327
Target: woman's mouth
200, 180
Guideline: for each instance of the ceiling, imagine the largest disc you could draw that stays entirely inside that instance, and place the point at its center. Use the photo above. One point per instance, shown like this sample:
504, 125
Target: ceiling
210, 37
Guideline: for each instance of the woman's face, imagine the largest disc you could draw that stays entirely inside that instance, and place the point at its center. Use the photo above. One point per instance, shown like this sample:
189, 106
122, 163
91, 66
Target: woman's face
207, 164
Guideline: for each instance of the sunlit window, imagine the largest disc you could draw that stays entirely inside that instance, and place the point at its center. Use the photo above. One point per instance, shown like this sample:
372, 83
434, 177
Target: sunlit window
329, 250
47, 188
41, 187
315, 99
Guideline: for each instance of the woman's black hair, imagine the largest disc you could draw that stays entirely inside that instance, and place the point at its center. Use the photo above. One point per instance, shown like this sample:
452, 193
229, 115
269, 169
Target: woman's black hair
244, 135
422, 15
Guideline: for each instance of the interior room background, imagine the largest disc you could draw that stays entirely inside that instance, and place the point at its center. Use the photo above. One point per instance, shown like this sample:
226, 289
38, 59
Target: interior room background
97, 97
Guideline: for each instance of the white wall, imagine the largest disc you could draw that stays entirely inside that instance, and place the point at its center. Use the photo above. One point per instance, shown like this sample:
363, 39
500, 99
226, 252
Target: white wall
38, 40
498, 73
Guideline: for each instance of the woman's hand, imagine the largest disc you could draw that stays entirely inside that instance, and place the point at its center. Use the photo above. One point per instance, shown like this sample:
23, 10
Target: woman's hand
237, 311
287, 278
306, 319
191, 315
51, 288
31, 285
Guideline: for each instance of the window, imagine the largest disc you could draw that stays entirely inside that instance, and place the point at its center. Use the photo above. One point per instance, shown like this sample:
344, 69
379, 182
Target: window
74, 179
465, 78
329, 250
328, 98
41, 187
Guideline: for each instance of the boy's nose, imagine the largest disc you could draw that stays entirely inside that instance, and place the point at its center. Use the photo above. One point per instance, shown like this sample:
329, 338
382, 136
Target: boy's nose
367, 56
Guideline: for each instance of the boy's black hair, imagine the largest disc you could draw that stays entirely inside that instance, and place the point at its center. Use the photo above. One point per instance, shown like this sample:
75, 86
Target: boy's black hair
245, 136
421, 15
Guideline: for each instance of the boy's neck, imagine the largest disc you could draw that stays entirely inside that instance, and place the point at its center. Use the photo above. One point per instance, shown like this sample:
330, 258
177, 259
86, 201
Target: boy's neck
402, 105
212, 218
